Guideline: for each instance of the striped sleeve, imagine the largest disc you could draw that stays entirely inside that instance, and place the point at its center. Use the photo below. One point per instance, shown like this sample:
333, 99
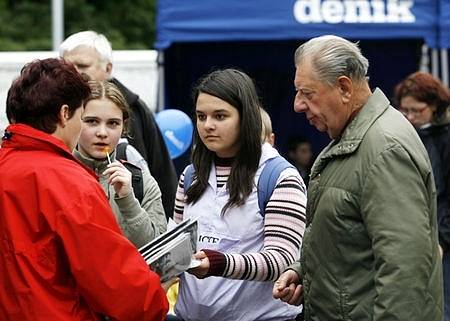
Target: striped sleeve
179, 201
284, 226
180, 197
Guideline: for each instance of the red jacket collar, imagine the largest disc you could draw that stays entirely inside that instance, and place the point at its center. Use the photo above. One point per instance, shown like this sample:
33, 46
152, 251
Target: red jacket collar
21, 136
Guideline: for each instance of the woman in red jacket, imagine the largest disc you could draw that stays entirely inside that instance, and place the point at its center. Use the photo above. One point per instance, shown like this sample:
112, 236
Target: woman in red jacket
62, 255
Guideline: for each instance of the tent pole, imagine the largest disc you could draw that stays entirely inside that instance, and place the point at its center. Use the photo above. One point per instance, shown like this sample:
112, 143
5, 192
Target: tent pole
434, 63
444, 66
160, 104
57, 23
425, 59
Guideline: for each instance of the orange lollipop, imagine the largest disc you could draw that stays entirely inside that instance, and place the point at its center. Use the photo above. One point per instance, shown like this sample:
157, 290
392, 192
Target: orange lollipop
106, 150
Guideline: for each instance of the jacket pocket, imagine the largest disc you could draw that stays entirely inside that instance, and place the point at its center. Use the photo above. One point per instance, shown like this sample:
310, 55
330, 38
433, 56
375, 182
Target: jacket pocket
343, 306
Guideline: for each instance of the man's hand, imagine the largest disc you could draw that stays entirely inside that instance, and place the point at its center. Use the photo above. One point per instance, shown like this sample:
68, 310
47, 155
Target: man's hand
288, 288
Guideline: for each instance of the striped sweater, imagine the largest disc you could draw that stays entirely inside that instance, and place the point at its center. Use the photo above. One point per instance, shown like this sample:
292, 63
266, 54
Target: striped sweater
284, 225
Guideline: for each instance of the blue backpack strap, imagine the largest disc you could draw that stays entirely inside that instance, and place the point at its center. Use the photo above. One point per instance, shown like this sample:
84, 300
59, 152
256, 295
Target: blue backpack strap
188, 177
268, 180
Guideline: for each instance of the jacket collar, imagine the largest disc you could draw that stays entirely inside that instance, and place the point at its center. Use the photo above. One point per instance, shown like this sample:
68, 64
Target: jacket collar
355, 131
24, 137
98, 166
21, 136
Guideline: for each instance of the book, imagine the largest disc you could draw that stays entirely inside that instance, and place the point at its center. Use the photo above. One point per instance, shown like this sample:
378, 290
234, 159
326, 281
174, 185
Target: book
170, 254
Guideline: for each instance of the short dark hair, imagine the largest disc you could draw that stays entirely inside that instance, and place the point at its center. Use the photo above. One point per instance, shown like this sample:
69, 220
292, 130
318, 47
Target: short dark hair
294, 141
36, 96
425, 88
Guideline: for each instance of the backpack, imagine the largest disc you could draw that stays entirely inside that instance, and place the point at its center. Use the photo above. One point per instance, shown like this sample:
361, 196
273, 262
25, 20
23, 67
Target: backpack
137, 181
266, 182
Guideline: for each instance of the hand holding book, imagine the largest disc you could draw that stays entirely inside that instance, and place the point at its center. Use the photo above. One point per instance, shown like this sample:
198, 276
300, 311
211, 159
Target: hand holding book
202, 268
171, 253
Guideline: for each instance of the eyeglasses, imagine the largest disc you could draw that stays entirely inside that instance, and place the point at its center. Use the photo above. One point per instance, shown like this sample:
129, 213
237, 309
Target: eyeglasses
412, 111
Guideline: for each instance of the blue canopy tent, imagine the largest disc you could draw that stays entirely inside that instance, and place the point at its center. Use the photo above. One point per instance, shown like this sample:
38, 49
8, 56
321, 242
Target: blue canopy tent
218, 20
444, 24
260, 37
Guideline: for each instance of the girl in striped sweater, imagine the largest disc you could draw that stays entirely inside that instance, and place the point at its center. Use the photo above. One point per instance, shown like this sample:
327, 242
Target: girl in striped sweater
241, 251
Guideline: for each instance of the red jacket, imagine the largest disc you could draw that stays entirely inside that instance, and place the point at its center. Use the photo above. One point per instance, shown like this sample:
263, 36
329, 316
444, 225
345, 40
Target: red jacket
62, 255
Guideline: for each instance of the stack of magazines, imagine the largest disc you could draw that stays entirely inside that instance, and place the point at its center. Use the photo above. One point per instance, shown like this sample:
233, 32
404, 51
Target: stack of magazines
170, 254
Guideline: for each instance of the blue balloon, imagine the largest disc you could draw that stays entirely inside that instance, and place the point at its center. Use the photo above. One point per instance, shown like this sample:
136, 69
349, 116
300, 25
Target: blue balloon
176, 128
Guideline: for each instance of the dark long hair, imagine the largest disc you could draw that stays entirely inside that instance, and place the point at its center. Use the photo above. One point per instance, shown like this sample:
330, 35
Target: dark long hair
237, 89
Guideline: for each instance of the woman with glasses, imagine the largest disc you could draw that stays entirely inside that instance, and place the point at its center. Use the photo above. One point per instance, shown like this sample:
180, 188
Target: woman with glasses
424, 101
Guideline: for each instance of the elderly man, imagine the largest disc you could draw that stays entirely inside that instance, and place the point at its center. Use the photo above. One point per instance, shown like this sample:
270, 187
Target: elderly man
370, 250
91, 53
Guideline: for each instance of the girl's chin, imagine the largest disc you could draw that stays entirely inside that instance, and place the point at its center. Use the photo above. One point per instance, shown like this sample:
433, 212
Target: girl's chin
98, 155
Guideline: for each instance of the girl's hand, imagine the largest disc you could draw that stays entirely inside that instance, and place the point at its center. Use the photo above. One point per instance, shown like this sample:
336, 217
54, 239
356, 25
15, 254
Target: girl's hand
120, 178
201, 270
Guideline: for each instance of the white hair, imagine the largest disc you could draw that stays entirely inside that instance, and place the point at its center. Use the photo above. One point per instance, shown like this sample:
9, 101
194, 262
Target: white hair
332, 57
90, 39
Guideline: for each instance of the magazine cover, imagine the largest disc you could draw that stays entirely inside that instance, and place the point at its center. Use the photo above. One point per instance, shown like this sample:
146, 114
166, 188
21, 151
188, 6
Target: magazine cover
170, 254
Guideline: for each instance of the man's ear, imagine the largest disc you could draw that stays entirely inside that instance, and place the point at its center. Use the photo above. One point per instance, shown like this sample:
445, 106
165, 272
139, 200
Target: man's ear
345, 86
109, 68
64, 115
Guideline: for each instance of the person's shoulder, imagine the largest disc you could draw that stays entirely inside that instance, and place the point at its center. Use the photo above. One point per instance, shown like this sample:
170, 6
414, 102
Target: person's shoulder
391, 129
393, 137
134, 157
131, 97
65, 171
65, 180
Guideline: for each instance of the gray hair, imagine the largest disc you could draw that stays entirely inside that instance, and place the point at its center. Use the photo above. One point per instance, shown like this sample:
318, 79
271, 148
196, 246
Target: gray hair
90, 39
332, 57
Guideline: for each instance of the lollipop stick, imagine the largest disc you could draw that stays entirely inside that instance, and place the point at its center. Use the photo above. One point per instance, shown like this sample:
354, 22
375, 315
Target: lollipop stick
107, 154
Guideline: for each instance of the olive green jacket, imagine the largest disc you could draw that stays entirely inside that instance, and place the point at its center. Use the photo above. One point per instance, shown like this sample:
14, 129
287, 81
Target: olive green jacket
370, 250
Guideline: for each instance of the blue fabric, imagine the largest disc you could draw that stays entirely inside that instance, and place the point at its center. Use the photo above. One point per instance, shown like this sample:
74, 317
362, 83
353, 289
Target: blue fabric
219, 20
444, 25
268, 180
188, 177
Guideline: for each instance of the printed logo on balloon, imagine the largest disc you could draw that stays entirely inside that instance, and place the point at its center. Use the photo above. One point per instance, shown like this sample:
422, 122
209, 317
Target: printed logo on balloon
176, 128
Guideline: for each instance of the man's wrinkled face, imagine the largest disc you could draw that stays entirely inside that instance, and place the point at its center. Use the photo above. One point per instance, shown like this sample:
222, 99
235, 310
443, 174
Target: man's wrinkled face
321, 102
88, 61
